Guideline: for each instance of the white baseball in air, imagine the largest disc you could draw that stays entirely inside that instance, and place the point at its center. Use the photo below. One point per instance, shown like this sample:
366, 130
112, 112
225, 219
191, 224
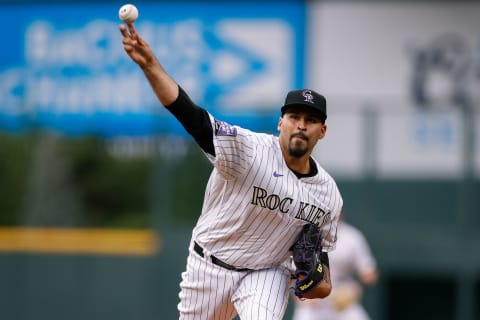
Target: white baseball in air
128, 13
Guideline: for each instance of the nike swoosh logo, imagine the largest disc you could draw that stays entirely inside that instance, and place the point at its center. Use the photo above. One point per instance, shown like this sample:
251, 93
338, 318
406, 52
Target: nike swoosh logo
276, 174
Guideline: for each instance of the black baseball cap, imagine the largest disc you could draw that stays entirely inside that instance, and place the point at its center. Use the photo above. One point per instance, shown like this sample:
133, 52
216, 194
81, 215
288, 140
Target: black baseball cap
306, 98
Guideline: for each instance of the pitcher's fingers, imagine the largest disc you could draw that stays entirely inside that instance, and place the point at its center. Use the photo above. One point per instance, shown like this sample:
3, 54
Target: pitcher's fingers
133, 32
124, 31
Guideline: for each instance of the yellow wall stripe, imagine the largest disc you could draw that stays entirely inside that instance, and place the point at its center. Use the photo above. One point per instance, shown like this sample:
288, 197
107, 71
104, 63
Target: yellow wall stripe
79, 241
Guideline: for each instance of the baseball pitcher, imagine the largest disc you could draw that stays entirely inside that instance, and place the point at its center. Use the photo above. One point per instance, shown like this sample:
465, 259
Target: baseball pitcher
270, 210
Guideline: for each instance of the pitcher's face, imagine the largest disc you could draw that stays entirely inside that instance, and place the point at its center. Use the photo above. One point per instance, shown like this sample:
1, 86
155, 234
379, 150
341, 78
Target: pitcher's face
299, 131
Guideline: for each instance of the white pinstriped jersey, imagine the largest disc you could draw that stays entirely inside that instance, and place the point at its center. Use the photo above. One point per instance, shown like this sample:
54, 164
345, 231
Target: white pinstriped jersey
255, 206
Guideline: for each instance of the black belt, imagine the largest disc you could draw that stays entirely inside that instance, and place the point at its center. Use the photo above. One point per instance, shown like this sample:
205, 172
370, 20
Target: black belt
215, 260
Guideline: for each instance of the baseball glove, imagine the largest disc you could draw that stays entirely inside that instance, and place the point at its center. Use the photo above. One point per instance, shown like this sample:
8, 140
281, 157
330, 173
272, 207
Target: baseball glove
306, 256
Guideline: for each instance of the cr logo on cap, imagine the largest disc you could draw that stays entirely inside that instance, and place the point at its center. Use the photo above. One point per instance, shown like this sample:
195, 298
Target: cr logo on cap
307, 94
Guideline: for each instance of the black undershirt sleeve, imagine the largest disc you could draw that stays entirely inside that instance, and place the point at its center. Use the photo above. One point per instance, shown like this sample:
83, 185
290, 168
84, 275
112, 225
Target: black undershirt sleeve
194, 119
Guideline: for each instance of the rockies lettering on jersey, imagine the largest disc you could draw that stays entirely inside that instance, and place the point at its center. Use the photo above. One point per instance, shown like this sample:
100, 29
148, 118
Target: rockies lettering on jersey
313, 214
270, 201
306, 212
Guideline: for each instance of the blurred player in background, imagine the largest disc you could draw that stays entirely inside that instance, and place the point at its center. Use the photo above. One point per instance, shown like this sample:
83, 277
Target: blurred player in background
352, 268
261, 193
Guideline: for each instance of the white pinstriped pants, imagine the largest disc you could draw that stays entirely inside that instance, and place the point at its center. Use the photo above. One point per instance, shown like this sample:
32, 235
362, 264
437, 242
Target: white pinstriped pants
210, 292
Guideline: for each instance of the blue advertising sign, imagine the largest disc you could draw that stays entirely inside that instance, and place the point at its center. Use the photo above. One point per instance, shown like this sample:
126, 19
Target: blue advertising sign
63, 67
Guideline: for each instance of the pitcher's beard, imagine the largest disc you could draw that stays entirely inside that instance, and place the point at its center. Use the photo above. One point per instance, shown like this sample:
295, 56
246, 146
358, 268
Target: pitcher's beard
297, 151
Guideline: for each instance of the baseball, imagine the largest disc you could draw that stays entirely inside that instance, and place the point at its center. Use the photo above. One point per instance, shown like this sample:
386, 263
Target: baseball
128, 13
